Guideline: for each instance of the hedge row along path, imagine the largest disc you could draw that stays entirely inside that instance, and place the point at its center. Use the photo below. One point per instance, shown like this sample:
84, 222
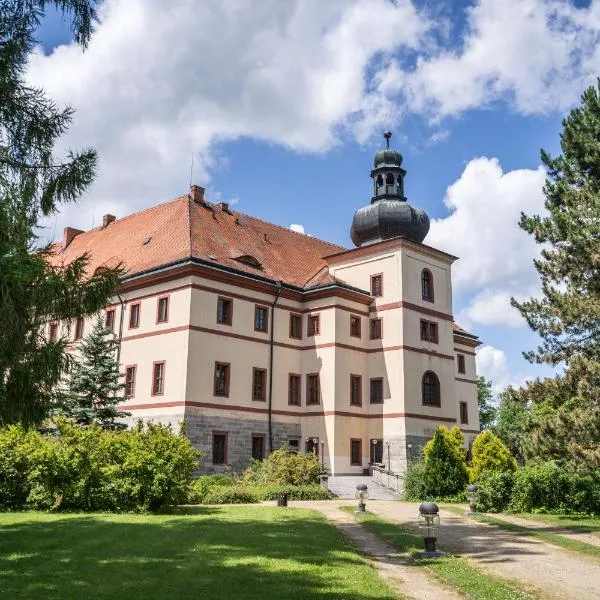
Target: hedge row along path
560, 574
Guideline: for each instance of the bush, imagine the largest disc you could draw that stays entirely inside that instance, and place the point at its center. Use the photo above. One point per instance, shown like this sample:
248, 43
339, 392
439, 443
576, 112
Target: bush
490, 455
204, 484
445, 472
414, 482
494, 491
284, 467
230, 495
294, 492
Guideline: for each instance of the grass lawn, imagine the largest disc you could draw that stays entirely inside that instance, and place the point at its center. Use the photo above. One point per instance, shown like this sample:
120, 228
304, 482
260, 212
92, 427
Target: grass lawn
201, 553
576, 524
451, 569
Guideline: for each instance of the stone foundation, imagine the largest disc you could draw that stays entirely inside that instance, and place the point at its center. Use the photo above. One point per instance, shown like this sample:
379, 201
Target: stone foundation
199, 428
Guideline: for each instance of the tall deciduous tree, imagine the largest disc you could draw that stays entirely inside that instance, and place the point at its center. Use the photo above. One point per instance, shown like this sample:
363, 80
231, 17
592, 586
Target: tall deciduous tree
95, 382
33, 184
487, 411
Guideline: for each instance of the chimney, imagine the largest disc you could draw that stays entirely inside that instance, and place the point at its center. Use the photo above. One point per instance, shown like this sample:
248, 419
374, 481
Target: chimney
107, 220
224, 206
69, 234
197, 194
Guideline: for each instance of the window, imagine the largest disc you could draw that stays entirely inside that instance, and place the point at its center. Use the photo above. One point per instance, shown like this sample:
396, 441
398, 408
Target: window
294, 445
130, 381
429, 331
158, 379
461, 363
313, 392
377, 285
375, 329
377, 390
311, 444
219, 448
356, 452
427, 285
53, 334
162, 310
314, 325
464, 413
221, 379
134, 315
259, 385
224, 311
376, 451
355, 390
354, 326
258, 447
431, 389
295, 382
296, 326
261, 314
79, 328
109, 319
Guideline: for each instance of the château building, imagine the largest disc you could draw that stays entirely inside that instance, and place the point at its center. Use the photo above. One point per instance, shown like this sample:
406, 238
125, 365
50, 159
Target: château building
257, 336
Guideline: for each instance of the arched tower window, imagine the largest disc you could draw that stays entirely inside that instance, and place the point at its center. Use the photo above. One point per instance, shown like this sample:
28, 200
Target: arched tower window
379, 180
431, 389
389, 179
427, 285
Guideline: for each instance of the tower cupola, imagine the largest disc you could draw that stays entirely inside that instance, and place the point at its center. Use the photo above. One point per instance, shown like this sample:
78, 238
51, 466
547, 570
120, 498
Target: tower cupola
389, 215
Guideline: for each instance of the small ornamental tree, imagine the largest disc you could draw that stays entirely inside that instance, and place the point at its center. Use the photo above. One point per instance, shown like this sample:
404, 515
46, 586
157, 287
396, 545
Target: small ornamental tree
445, 468
95, 382
490, 455
454, 438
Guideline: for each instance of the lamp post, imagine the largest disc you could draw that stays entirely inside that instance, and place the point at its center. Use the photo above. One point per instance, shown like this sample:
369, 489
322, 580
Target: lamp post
361, 495
322, 455
374, 442
315, 442
472, 494
389, 462
429, 521
409, 448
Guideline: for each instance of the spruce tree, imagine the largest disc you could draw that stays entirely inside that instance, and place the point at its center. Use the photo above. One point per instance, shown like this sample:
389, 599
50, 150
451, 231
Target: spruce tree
34, 183
95, 382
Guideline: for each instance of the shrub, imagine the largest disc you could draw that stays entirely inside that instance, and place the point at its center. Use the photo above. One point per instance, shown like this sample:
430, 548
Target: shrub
230, 495
414, 481
294, 492
445, 472
490, 455
453, 438
284, 467
204, 484
494, 491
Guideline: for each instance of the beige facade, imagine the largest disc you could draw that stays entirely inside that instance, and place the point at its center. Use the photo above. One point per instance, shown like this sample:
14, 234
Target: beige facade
228, 422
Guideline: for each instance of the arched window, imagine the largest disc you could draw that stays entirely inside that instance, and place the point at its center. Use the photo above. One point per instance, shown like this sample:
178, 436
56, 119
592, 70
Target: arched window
427, 285
379, 180
389, 179
431, 389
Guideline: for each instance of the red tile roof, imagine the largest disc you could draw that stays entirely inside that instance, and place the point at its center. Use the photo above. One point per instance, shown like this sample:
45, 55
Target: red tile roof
182, 229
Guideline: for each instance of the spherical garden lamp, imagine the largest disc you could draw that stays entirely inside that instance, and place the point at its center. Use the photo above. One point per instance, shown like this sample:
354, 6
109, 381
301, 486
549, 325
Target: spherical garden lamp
429, 521
362, 494
472, 494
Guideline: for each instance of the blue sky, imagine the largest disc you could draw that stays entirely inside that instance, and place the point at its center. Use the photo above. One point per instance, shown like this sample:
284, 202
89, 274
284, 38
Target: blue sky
284, 109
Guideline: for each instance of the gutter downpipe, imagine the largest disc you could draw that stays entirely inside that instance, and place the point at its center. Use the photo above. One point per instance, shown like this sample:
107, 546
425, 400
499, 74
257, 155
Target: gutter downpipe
271, 339
121, 319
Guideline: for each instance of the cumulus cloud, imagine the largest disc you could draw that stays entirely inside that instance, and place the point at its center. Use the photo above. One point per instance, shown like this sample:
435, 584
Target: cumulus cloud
492, 307
492, 363
297, 228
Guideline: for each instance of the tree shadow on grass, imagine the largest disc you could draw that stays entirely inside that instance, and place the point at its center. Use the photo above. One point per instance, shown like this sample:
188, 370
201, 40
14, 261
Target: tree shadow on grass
248, 553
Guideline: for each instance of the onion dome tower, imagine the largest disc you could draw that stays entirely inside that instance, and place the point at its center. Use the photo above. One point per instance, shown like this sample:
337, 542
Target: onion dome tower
389, 215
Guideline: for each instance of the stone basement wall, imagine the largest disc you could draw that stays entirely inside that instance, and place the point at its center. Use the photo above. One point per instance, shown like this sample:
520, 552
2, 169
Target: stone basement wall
199, 428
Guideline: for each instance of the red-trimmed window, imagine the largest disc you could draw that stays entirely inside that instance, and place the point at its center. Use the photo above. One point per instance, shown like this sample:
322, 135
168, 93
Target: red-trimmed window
134, 315
222, 372
461, 363
377, 285
427, 285
313, 389
224, 311
261, 318
130, 373
355, 326
376, 390
294, 390
313, 325
259, 385
431, 389
295, 326
464, 414
109, 319
355, 452
162, 310
375, 329
219, 448
355, 390
79, 328
158, 378
429, 331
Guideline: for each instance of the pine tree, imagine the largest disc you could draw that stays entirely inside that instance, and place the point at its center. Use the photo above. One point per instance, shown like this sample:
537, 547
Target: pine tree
34, 184
487, 412
95, 382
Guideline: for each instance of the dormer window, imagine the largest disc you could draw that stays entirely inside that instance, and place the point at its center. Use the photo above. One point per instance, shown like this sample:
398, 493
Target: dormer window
247, 259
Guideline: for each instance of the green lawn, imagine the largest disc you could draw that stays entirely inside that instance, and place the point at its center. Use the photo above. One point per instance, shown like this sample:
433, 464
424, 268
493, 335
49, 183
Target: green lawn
453, 570
577, 524
201, 553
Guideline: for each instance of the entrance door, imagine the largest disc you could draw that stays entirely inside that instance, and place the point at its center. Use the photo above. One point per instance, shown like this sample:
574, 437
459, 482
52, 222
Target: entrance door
258, 447
376, 451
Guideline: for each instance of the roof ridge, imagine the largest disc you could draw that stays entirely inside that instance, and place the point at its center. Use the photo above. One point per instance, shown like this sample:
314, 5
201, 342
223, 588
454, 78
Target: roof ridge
237, 212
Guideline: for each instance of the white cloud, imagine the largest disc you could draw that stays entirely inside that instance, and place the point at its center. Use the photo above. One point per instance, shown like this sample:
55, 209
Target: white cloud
492, 363
492, 307
297, 228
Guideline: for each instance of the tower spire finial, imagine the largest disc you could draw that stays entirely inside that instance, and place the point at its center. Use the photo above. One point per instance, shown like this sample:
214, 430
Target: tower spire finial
387, 135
